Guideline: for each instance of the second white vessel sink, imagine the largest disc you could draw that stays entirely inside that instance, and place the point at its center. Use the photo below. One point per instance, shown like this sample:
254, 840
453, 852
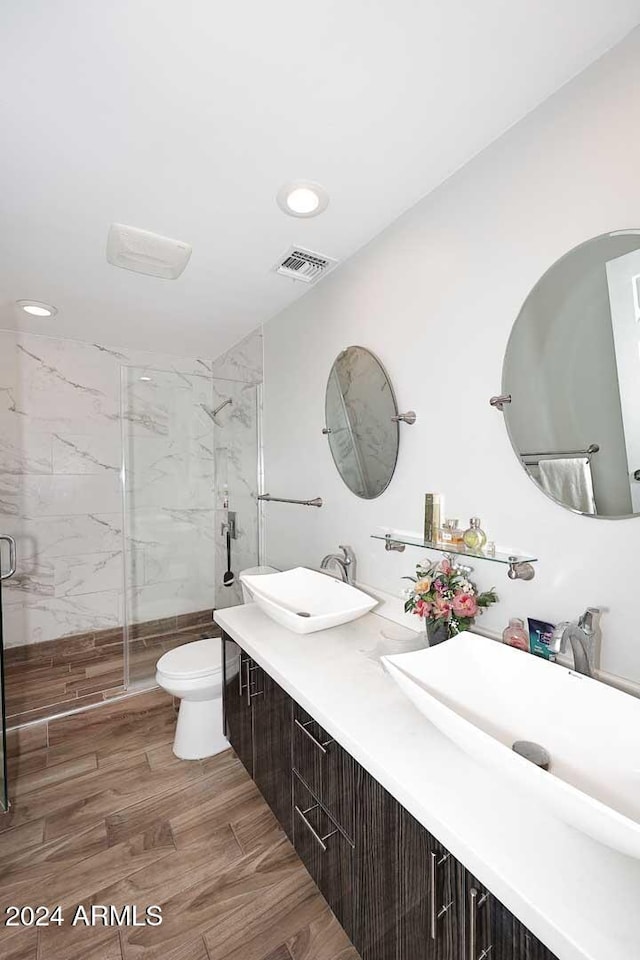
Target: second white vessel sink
485, 696
305, 600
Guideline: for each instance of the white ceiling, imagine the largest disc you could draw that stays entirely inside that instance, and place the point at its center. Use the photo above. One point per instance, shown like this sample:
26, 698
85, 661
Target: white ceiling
185, 119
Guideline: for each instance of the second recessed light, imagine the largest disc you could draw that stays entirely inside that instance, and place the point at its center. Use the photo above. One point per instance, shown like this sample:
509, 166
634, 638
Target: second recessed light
302, 198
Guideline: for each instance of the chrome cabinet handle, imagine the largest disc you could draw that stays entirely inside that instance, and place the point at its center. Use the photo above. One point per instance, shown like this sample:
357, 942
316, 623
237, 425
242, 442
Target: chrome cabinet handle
477, 900
247, 681
252, 693
436, 861
316, 836
12, 557
314, 740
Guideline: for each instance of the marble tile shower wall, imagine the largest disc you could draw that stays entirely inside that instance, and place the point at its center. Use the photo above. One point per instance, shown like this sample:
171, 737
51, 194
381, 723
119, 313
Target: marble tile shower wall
237, 374
60, 486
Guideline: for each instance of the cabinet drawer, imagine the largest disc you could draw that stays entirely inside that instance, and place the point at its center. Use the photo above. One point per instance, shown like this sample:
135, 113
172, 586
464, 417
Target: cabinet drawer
325, 852
325, 767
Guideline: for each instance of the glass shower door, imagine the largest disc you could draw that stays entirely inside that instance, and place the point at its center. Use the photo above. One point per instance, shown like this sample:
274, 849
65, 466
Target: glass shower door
7, 570
169, 513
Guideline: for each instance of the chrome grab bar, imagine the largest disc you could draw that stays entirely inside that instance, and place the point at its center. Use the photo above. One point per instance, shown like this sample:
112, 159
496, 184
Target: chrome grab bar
316, 502
12, 556
316, 836
315, 742
436, 861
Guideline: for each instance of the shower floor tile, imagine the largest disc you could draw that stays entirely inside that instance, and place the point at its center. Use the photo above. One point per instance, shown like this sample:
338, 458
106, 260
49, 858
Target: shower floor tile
104, 813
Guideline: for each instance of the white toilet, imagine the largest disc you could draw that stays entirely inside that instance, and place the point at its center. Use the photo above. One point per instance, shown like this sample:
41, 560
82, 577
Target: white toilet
193, 672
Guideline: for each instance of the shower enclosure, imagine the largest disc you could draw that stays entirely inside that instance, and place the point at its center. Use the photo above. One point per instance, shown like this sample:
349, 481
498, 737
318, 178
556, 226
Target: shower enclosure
190, 454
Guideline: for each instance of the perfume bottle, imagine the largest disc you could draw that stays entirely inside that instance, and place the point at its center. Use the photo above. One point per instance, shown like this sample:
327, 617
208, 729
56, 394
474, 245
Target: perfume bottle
475, 537
450, 534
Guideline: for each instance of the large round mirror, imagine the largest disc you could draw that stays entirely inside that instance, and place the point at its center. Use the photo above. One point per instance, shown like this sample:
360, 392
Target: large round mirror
572, 368
359, 407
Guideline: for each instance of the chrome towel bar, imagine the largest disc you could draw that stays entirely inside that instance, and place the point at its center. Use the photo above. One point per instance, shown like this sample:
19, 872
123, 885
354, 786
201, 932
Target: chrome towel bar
316, 502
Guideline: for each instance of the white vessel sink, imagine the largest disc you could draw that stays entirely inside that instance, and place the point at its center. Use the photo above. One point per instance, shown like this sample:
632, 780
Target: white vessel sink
305, 600
484, 696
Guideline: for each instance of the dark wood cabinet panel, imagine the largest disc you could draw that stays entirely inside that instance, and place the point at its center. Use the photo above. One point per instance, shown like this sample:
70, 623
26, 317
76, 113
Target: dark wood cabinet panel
498, 934
272, 709
327, 769
237, 705
431, 909
376, 878
325, 852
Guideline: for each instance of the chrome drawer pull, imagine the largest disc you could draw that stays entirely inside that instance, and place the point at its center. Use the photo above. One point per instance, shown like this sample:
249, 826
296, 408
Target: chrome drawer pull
316, 742
436, 861
316, 836
477, 900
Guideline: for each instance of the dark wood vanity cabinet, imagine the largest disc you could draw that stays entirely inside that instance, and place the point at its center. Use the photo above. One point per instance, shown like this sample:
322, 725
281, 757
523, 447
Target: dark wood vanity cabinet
257, 719
398, 893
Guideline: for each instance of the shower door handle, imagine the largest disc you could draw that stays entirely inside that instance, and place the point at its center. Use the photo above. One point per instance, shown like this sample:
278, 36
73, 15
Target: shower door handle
12, 557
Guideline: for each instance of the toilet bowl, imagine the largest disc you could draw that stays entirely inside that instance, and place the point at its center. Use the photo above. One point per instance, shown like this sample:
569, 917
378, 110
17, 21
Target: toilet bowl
193, 672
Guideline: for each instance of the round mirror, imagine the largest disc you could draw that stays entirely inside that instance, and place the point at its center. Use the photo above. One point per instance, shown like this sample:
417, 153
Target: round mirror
359, 407
572, 368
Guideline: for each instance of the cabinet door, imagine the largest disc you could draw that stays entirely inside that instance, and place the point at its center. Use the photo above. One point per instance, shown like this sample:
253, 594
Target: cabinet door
272, 745
326, 768
491, 932
325, 852
237, 703
376, 877
431, 908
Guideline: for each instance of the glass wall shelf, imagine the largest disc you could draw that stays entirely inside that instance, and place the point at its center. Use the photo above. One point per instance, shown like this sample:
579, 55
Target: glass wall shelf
519, 564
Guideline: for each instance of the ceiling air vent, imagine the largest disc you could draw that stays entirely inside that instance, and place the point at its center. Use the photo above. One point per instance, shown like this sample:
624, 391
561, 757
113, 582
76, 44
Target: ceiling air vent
299, 264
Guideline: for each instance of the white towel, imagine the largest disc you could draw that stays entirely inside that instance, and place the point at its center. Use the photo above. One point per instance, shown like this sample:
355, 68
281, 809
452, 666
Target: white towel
570, 482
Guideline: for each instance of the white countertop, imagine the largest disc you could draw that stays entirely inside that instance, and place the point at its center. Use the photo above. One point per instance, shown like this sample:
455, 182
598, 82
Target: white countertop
580, 898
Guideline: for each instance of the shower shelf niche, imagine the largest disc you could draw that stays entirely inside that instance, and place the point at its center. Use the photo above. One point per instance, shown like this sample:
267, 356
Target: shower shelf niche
520, 565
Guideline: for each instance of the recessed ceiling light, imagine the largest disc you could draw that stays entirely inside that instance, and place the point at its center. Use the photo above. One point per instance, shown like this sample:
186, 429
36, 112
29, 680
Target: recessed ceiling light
302, 198
146, 379
36, 308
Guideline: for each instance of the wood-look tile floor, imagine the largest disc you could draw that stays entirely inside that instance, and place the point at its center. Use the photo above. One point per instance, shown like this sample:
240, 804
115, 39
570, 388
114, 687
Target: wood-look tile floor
54, 683
105, 814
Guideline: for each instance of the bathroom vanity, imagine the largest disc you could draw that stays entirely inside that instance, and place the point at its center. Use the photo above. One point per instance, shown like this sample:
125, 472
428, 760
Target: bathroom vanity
421, 853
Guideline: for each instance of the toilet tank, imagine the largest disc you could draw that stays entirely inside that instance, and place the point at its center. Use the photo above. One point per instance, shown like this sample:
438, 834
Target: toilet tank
247, 596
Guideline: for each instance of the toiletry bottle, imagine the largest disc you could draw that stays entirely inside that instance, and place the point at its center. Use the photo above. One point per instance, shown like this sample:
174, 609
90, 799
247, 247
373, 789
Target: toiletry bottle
450, 534
433, 510
475, 537
515, 635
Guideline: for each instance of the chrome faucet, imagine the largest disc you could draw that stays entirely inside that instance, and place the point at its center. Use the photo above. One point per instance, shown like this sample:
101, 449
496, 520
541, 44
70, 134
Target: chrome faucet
581, 636
346, 564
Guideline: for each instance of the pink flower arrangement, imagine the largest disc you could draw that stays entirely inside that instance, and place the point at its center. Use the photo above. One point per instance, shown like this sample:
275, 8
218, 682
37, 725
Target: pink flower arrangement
443, 594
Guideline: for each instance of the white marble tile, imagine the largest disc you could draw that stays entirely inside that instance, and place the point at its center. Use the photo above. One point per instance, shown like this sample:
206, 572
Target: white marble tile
86, 453
244, 361
33, 496
24, 450
51, 617
88, 573
60, 492
33, 579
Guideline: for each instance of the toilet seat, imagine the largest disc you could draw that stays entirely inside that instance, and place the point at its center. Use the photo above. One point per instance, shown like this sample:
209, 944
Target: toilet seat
192, 661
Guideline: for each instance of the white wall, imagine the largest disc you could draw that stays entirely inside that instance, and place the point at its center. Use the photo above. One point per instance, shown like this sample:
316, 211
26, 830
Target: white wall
435, 297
